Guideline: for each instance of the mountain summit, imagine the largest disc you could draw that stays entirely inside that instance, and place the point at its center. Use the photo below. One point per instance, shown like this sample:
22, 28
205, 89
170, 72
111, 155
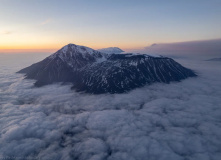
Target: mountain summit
111, 50
97, 72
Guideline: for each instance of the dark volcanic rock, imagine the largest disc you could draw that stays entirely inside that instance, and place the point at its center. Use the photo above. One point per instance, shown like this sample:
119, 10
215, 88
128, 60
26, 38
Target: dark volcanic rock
95, 72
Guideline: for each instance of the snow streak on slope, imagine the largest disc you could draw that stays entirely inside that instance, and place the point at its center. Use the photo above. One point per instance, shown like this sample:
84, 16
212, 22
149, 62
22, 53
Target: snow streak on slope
176, 121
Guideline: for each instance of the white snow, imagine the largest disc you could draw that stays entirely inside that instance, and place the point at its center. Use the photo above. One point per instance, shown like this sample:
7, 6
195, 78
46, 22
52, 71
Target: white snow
72, 49
111, 50
64, 49
102, 59
71, 53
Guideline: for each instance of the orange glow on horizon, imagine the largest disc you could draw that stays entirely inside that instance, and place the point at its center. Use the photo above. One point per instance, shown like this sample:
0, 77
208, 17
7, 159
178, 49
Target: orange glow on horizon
54, 48
27, 50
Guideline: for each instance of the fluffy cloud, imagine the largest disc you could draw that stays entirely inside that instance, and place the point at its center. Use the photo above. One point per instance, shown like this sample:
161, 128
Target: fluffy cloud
161, 121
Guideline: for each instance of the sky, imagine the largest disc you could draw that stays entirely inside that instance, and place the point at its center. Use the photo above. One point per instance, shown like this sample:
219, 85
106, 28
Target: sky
47, 25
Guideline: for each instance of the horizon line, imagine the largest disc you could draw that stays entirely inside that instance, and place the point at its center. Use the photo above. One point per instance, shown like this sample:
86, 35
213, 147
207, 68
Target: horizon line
52, 50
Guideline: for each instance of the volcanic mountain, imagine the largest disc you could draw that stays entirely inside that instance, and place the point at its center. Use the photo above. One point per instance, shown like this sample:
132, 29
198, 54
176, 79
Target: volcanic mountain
96, 72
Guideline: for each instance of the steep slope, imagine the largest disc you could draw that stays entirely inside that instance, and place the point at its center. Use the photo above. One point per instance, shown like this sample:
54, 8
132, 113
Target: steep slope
124, 72
63, 65
95, 72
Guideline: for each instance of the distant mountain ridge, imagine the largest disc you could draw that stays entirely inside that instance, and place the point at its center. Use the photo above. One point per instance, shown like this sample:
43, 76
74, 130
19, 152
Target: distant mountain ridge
97, 72
111, 50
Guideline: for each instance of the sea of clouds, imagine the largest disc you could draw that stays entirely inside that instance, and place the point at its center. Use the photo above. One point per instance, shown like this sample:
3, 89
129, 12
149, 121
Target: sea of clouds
177, 121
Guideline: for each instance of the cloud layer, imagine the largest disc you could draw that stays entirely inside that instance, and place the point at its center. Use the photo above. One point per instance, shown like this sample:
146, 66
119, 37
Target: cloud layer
204, 47
162, 121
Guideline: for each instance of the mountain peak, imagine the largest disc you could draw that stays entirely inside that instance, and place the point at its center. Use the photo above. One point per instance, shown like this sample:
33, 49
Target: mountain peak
76, 55
73, 48
111, 50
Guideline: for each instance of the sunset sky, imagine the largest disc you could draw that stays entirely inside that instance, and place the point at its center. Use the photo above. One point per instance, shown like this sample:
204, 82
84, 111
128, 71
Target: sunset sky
47, 25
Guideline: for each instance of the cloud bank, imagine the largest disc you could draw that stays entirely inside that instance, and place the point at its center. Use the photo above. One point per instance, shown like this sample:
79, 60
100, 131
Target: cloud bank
174, 121
204, 47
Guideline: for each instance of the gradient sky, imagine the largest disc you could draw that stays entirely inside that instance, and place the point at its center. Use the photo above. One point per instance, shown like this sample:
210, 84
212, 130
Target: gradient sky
50, 24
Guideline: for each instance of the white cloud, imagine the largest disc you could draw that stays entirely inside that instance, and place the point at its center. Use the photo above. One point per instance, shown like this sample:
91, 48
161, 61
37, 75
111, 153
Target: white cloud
162, 121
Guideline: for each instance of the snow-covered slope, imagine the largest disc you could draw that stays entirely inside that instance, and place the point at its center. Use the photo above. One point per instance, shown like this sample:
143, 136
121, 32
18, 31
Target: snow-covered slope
95, 72
77, 56
111, 50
